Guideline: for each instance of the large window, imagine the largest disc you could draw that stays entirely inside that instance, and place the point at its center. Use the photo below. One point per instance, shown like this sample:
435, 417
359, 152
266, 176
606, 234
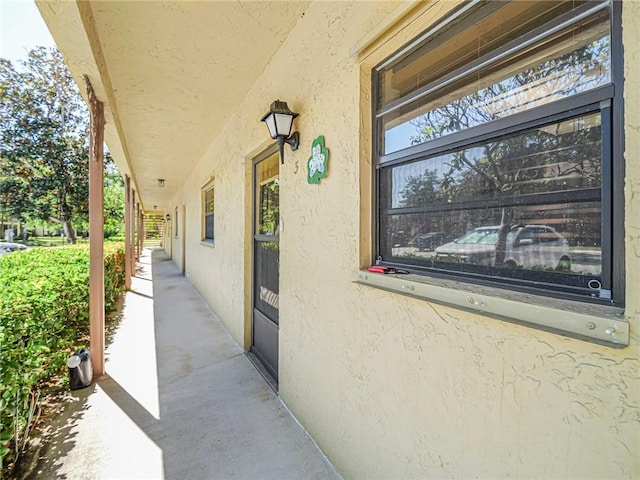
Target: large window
497, 150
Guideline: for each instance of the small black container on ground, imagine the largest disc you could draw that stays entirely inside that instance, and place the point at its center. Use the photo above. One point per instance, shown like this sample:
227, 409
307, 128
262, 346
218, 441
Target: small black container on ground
80, 369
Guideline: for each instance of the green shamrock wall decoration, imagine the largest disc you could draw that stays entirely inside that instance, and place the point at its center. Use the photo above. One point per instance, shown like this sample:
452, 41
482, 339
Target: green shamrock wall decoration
318, 161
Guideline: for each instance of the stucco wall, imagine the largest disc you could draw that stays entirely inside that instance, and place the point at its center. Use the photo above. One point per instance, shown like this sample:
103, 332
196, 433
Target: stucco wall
389, 386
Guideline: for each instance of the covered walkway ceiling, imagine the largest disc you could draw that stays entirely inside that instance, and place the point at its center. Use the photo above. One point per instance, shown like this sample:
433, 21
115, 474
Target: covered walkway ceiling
169, 73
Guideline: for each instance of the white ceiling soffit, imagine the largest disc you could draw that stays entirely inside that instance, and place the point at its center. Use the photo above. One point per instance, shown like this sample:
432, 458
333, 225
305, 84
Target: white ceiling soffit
170, 73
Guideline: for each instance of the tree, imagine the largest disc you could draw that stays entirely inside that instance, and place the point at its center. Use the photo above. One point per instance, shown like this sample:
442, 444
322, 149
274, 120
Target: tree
420, 189
113, 199
44, 142
558, 157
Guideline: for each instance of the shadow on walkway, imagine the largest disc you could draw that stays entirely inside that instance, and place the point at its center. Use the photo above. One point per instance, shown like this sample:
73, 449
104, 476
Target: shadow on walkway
181, 400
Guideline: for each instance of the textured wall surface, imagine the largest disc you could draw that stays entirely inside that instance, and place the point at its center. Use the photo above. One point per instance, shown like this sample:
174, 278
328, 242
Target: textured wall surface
631, 36
389, 386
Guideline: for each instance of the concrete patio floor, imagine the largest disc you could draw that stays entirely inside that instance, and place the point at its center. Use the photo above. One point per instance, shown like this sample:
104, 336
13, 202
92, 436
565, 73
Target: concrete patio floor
181, 400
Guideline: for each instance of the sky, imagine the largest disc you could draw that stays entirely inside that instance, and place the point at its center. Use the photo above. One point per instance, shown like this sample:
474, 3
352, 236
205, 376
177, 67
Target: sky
21, 29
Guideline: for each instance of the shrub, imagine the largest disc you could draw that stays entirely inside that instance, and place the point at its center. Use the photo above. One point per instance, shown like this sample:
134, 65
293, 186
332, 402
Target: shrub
44, 312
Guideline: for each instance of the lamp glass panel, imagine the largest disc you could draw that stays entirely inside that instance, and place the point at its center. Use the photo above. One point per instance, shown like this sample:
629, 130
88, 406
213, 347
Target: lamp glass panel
283, 123
271, 125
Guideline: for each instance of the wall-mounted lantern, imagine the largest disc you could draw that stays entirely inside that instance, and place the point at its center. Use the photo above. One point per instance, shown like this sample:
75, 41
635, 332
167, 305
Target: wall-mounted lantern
161, 182
279, 120
168, 217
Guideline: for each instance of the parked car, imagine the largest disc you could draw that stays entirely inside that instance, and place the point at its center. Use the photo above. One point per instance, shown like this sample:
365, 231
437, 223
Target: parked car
528, 246
428, 241
8, 247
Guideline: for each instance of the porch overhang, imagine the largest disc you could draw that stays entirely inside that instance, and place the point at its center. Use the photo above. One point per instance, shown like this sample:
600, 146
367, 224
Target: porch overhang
170, 75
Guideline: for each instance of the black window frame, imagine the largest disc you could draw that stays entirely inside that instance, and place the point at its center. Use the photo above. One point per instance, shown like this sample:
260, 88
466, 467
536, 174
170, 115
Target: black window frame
207, 215
607, 99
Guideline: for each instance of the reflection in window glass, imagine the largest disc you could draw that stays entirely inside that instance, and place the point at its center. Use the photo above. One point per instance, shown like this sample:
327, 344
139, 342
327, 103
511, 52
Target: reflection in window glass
266, 292
554, 238
544, 185
268, 196
269, 214
552, 158
485, 28
564, 65
209, 214
266, 251
496, 146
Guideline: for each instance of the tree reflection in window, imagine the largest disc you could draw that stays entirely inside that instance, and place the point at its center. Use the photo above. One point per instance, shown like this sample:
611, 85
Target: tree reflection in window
573, 62
515, 170
269, 211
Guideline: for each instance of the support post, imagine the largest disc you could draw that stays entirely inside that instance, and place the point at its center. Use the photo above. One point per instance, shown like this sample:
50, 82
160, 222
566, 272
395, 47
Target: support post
127, 232
138, 215
96, 231
132, 238
140, 230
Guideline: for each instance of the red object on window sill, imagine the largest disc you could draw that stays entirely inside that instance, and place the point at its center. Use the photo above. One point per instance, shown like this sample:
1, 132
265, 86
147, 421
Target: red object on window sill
385, 270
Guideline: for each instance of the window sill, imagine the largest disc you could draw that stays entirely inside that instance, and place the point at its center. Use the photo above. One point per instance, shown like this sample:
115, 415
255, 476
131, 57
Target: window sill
594, 323
207, 243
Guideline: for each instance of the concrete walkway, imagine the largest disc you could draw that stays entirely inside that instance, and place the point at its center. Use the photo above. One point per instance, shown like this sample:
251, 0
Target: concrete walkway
181, 400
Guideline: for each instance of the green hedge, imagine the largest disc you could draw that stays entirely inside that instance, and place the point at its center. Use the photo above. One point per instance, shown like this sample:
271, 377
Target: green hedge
44, 314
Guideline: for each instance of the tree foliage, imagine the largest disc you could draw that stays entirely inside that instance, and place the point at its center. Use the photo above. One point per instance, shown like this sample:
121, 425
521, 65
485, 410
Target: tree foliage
558, 157
43, 318
44, 146
113, 200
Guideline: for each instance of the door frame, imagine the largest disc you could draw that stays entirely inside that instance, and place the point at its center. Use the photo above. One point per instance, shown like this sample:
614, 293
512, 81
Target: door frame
263, 154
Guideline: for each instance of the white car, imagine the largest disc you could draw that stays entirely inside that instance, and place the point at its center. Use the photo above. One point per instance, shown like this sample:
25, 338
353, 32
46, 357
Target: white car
527, 246
8, 247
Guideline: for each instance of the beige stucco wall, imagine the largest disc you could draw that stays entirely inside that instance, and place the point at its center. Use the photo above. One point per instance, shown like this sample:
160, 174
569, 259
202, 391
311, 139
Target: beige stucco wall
389, 386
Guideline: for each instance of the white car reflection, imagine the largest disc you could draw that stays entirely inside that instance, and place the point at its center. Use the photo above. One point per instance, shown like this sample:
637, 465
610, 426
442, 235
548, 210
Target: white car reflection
528, 246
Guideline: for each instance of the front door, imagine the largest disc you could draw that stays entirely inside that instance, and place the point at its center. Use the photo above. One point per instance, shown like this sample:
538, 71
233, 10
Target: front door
266, 261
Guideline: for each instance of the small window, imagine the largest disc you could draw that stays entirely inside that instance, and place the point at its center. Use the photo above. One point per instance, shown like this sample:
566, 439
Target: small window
208, 212
496, 150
